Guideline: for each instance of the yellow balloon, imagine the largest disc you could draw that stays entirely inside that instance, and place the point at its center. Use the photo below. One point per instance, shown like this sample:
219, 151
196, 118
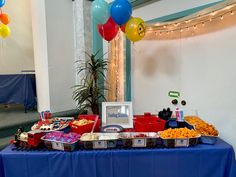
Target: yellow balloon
135, 29
5, 31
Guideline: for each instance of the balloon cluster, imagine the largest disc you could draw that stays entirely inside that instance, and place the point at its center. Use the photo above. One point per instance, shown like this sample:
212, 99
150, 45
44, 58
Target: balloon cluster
4, 29
110, 19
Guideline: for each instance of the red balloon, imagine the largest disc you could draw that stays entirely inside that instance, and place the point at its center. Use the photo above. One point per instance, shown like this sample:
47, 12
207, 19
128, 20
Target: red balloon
122, 27
108, 30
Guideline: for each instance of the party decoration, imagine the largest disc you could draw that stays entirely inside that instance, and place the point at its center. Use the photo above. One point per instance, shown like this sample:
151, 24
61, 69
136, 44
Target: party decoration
4, 31
109, 30
4, 19
100, 11
0, 11
121, 11
122, 27
174, 94
135, 29
2, 3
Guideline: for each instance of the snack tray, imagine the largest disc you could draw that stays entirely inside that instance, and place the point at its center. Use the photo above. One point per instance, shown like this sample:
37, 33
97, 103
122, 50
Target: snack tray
139, 139
180, 142
99, 140
59, 145
206, 139
62, 128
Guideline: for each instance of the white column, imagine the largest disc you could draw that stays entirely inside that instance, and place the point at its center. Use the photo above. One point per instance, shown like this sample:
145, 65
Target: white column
40, 53
53, 35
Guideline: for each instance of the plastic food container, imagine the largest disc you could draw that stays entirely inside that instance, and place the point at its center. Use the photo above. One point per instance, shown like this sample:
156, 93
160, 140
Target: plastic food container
148, 123
80, 129
61, 145
208, 139
58, 145
139, 139
205, 139
180, 142
99, 140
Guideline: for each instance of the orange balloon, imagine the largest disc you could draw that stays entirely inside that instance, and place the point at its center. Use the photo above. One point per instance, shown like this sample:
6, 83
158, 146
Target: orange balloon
5, 19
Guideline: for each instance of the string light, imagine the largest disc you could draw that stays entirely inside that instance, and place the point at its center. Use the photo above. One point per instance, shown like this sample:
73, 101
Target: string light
213, 13
176, 24
196, 21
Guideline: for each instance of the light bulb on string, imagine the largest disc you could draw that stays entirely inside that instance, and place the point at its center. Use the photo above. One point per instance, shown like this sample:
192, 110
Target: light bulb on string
187, 28
164, 26
176, 24
203, 24
187, 21
195, 27
232, 12
181, 30
213, 13
210, 19
160, 33
221, 17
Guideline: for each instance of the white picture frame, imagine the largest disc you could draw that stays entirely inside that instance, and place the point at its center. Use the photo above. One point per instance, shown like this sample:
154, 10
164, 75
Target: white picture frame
117, 113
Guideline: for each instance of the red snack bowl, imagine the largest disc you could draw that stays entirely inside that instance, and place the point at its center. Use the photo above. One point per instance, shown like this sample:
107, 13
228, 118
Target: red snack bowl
148, 123
88, 127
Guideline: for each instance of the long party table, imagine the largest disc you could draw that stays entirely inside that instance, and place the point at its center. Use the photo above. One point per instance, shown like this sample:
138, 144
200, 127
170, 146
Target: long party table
18, 89
200, 161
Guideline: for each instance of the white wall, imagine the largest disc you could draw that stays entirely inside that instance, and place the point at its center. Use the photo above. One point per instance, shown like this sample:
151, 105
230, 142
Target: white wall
16, 51
201, 67
167, 7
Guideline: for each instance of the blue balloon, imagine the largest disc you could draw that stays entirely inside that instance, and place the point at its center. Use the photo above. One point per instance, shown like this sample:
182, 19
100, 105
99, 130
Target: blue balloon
2, 2
121, 11
100, 11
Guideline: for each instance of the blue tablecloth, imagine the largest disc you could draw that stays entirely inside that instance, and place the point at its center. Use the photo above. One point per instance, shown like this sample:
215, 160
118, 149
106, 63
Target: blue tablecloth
18, 89
200, 161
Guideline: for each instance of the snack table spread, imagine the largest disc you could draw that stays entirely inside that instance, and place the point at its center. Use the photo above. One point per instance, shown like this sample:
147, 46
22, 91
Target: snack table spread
199, 161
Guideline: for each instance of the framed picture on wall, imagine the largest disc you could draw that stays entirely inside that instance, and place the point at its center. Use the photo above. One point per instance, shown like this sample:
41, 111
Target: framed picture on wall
117, 113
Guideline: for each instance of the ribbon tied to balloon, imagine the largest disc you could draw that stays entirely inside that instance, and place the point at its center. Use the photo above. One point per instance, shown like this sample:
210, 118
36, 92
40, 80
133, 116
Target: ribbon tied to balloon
5, 31
119, 16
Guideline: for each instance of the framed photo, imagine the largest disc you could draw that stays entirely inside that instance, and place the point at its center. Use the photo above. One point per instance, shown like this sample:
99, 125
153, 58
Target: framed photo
117, 113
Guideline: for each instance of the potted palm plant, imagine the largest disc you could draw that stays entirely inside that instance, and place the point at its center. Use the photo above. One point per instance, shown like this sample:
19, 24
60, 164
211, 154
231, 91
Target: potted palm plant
90, 93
